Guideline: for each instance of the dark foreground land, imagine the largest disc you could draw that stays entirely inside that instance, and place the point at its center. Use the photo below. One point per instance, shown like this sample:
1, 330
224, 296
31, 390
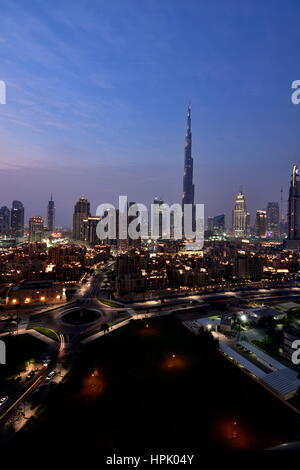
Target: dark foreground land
152, 386
20, 350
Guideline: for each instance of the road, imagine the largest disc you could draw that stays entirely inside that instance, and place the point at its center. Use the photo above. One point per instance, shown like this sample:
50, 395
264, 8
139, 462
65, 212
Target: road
87, 296
23, 390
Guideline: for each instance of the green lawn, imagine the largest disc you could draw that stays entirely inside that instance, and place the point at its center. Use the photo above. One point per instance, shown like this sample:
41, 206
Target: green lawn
47, 332
111, 303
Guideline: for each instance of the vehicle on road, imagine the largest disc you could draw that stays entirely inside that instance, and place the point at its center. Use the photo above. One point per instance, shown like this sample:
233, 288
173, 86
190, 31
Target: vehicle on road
3, 400
30, 375
50, 376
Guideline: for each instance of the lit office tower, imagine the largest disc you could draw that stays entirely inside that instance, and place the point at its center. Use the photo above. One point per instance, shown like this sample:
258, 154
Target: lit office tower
273, 219
239, 216
81, 212
51, 215
188, 196
17, 219
294, 207
4, 221
261, 223
36, 229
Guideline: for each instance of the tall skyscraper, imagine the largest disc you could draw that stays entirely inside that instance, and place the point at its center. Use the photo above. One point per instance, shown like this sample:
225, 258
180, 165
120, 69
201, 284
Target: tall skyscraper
36, 229
239, 216
294, 206
188, 196
273, 219
51, 215
4, 221
17, 219
81, 212
261, 223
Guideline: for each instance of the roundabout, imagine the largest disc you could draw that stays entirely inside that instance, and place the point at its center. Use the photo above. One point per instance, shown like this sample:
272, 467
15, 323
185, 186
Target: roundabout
81, 316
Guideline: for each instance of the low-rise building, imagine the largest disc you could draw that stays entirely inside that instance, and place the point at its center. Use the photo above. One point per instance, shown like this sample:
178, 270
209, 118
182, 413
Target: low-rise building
257, 313
36, 292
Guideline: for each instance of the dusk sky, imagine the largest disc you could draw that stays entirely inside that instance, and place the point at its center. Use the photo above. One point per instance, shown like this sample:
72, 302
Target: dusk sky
97, 93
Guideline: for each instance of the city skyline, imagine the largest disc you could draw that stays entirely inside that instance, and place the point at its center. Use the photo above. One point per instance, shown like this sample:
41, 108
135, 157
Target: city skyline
50, 213
93, 130
149, 229
188, 195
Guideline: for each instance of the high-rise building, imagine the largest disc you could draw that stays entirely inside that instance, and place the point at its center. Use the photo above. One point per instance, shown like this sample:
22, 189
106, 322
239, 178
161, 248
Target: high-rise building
157, 203
17, 219
188, 196
294, 206
4, 221
219, 225
81, 212
210, 223
273, 219
239, 216
36, 229
248, 267
248, 222
89, 234
51, 215
261, 223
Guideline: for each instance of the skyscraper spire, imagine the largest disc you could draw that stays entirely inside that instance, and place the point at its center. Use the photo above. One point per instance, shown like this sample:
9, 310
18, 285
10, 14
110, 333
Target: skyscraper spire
51, 215
188, 186
189, 120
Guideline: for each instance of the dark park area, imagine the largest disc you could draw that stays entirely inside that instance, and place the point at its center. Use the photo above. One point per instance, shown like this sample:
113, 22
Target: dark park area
154, 386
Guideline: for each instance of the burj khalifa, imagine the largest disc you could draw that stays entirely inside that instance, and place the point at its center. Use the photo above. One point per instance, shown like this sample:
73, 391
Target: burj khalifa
188, 196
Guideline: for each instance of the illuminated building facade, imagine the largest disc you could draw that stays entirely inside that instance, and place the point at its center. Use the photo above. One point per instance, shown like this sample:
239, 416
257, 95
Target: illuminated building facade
36, 229
239, 216
261, 223
81, 212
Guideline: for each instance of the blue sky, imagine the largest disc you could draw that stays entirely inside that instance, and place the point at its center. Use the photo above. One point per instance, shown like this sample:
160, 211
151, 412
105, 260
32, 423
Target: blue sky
97, 94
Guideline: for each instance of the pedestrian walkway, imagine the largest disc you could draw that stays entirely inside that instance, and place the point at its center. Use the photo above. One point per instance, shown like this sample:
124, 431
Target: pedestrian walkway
23, 324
